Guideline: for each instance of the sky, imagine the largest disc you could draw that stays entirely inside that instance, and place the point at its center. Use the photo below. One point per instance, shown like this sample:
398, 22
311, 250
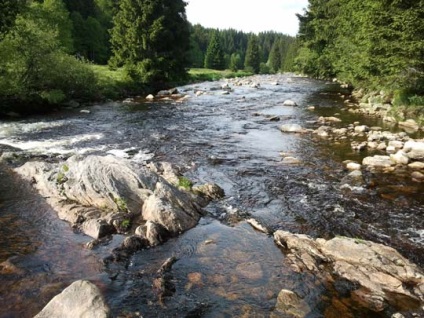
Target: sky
247, 15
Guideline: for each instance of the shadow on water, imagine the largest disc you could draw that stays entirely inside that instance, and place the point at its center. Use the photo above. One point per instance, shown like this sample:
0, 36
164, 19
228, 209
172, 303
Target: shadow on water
224, 268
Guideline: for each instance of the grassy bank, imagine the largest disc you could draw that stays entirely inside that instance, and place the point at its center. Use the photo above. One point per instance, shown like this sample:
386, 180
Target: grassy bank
114, 84
203, 74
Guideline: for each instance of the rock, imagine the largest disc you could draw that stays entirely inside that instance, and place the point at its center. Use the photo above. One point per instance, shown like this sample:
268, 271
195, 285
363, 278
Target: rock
132, 244
291, 160
377, 161
382, 146
290, 304
359, 146
409, 125
311, 107
81, 299
353, 166
289, 103
390, 149
361, 128
171, 208
209, 191
378, 275
97, 228
414, 149
156, 234
256, 225
85, 111
417, 176
396, 143
292, 128
400, 158
166, 170
330, 119
150, 97
417, 165
354, 178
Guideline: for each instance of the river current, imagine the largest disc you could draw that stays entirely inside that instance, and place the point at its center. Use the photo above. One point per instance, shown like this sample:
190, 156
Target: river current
224, 267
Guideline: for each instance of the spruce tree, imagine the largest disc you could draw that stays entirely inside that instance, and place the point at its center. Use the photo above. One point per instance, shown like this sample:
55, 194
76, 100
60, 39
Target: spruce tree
275, 57
151, 39
214, 58
253, 59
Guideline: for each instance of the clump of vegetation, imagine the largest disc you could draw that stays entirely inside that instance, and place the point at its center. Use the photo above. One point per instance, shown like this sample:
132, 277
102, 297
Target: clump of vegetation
185, 183
121, 203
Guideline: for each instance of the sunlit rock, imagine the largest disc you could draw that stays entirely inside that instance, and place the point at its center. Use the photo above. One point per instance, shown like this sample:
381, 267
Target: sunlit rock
81, 299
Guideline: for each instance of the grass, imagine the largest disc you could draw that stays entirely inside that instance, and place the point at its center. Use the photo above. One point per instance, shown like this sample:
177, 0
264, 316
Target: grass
185, 183
121, 204
111, 83
114, 83
205, 74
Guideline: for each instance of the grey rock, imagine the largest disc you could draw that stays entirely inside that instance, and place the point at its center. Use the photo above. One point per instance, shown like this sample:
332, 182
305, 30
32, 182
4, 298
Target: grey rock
292, 128
81, 299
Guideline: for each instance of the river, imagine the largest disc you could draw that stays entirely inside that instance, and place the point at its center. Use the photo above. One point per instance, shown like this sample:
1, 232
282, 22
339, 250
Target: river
224, 267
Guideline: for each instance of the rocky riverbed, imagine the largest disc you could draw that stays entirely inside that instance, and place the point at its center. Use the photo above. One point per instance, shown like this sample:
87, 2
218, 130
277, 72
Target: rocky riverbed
232, 198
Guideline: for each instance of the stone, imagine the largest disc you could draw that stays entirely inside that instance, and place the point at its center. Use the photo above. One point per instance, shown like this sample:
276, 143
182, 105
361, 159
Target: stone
97, 228
379, 276
291, 160
171, 208
414, 149
150, 97
390, 149
400, 158
417, 165
361, 128
410, 125
354, 178
85, 111
154, 233
377, 161
81, 299
258, 226
382, 146
396, 143
289, 103
353, 166
417, 176
292, 128
210, 191
291, 304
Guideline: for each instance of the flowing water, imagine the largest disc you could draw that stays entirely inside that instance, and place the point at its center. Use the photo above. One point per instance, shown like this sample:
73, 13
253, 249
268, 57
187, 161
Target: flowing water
224, 268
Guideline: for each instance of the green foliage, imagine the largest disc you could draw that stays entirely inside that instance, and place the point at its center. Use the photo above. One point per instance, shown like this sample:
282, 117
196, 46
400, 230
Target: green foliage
9, 9
214, 57
151, 38
253, 60
367, 43
33, 64
236, 62
264, 69
185, 183
121, 204
203, 74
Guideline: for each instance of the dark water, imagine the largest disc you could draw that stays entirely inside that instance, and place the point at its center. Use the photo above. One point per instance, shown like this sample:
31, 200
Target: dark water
224, 267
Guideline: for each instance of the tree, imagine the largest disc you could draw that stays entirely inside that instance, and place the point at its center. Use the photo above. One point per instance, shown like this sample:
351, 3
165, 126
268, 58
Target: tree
8, 12
235, 62
151, 39
214, 57
275, 57
252, 60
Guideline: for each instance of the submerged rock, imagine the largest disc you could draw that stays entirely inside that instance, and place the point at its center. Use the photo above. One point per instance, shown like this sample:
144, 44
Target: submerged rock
379, 275
81, 299
290, 304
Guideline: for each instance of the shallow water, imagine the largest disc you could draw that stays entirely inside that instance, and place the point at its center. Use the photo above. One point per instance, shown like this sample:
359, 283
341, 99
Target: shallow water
224, 267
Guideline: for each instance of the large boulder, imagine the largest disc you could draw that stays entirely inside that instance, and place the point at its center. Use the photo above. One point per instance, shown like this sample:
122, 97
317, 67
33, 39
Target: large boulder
81, 299
379, 276
414, 149
378, 162
171, 208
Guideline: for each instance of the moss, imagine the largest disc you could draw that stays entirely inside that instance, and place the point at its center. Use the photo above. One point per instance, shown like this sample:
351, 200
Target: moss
185, 183
121, 204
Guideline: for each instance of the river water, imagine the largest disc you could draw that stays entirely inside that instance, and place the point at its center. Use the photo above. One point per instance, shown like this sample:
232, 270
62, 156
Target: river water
224, 267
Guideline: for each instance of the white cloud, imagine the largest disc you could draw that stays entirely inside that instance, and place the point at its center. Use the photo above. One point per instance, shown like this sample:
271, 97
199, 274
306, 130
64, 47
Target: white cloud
248, 16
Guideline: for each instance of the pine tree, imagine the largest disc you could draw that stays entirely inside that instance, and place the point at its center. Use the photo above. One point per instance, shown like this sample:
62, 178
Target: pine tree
214, 58
151, 38
253, 59
275, 57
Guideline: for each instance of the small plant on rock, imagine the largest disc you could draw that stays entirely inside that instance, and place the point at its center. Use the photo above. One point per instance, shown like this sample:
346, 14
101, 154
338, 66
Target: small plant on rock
185, 183
122, 204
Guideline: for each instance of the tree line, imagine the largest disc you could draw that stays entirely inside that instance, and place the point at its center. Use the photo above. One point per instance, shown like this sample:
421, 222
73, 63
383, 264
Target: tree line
267, 52
376, 44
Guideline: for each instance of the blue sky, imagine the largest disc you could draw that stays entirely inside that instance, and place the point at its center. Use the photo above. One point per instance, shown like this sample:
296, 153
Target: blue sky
247, 15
